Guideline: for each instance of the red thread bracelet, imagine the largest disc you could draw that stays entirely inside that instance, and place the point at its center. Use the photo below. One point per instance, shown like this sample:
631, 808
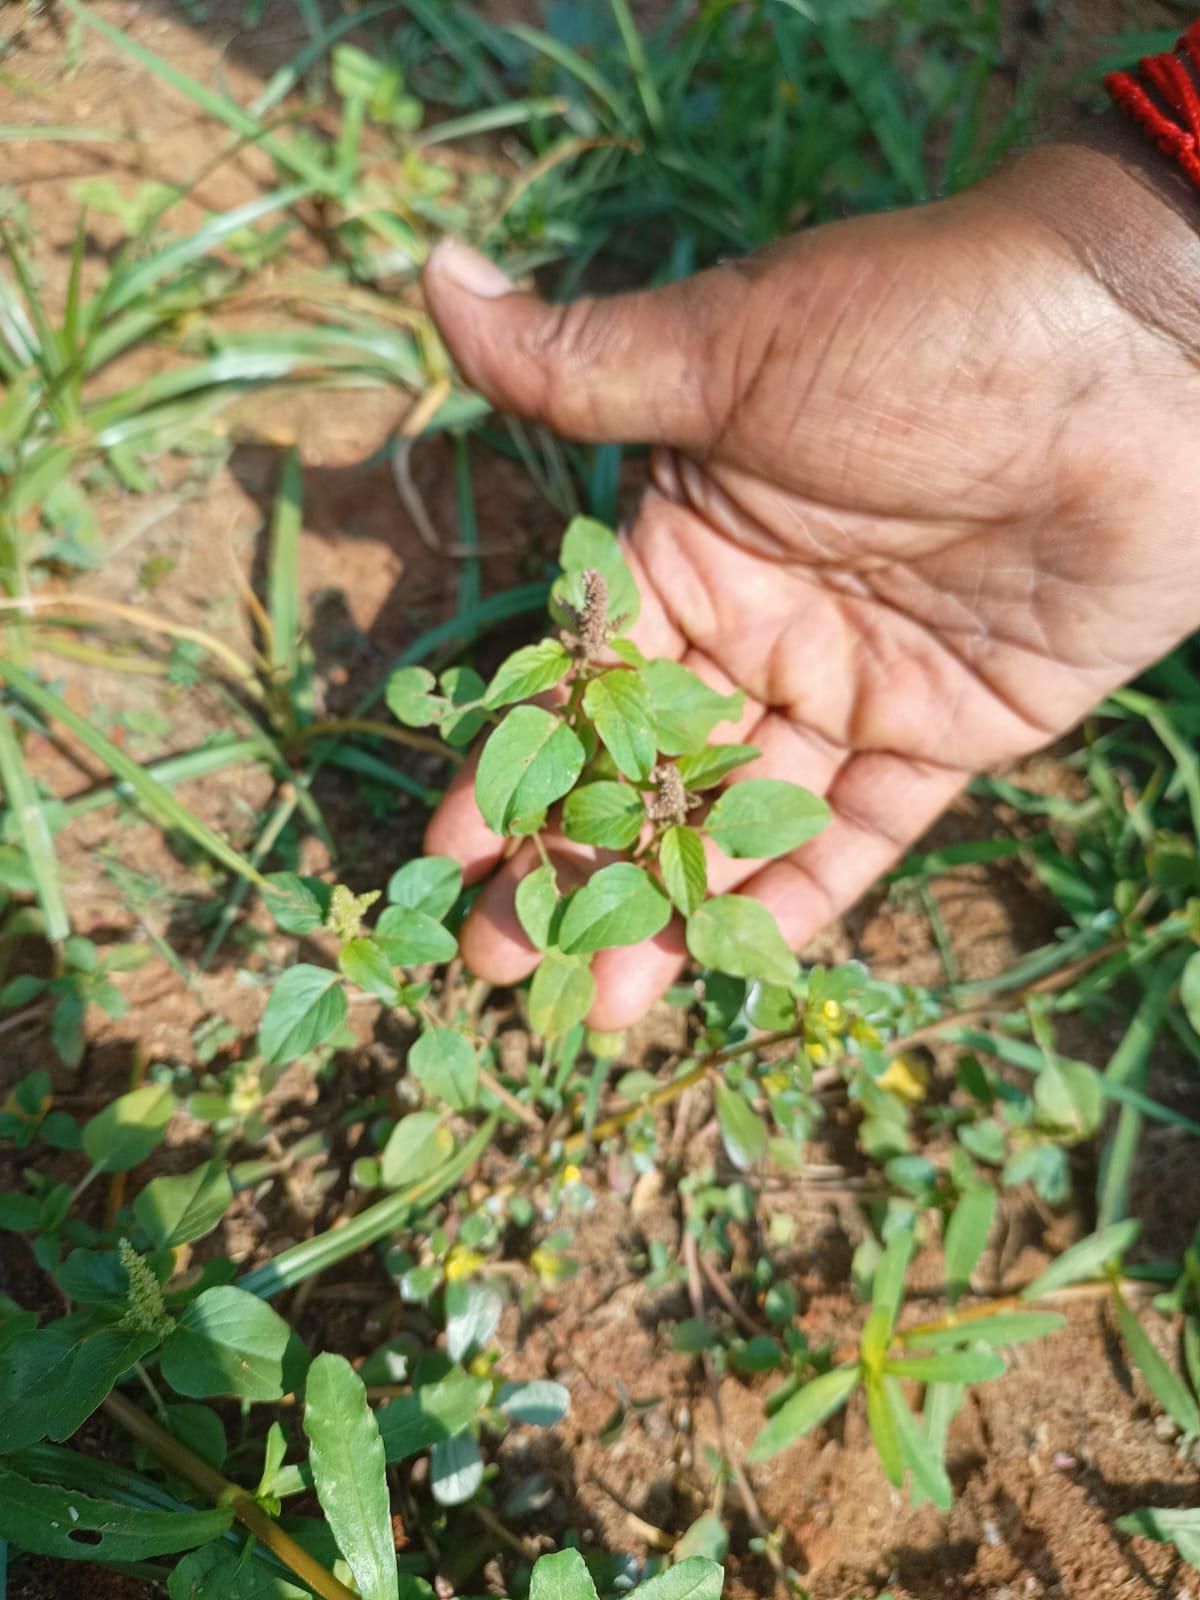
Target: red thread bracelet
1175, 129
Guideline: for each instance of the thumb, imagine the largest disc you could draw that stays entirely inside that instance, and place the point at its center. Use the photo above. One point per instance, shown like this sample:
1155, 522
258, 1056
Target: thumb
634, 369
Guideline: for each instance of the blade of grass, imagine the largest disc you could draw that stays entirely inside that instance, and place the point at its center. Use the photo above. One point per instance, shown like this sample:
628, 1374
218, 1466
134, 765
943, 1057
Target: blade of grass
639, 66
491, 118
1128, 1068
25, 806
171, 770
470, 576
158, 800
283, 581
263, 846
573, 63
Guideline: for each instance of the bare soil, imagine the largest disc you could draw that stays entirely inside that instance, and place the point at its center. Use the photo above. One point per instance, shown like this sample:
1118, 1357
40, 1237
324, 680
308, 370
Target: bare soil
1042, 1460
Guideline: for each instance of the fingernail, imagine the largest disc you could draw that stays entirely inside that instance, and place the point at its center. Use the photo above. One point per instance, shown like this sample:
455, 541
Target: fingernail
469, 270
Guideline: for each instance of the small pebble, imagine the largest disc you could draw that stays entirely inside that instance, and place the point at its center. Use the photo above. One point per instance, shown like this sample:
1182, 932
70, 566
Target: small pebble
1064, 1462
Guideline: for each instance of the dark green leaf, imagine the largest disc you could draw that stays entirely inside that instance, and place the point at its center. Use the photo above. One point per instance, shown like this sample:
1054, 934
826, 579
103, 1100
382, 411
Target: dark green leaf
530, 761
685, 874
307, 1005
619, 905
607, 814
227, 1342
737, 935
219, 1573
350, 1474
763, 817
434, 1411
48, 1520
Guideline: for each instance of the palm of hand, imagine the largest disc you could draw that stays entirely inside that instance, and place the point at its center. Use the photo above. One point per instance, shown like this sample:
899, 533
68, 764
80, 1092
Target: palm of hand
913, 514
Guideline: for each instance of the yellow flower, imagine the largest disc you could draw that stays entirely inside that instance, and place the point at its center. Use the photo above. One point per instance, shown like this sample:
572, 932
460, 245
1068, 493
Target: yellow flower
775, 1082
816, 1053
905, 1077
571, 1173
462, 1263
833, 1013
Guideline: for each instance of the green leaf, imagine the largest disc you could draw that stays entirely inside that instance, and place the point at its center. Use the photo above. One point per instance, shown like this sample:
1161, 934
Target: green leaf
1068, 1097
298, 905
529, 671
366, 962
607, 814
52, 1379
218, 1573
307, 1005
588, 544
462, 715
561, 1576
444, 1061
737, 935
887, 1286
693, 1578
1180, 1528
1189, 990
48, 1520
884, 1432
684, 710
430, 884
417, 1145
619, 905
966, 1236
560, 995
818, 1399
929, 1474
455, 1470
350, 1474
174, 1211
434, 1411
742, 1131
1005, 1328
706, 768
128, 1128
412, 938
540, 1402
538, 902
1168, 1388
763, 817
530, 761
411, 698
949, 1366
1087, 1259
473, 1314
618, 704
226, 1342
685, 874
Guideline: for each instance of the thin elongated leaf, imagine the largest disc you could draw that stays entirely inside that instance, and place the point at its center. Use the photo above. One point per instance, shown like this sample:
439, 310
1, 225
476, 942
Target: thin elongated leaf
537, 903
350, 1474
25, 808
1168, 1387
818, 1399
966, 1236
1180, 1528
165, 808
283, 582
929, 1475
949, 1366
49, 1520
884, 1431
1005, 1328
1087, 1259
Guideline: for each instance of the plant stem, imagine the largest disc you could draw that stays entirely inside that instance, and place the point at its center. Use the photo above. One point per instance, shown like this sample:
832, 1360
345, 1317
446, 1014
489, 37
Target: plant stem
379, 730
221, 1492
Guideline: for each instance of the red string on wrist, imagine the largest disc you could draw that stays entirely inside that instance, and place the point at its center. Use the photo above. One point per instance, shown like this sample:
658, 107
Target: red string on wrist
1166, 103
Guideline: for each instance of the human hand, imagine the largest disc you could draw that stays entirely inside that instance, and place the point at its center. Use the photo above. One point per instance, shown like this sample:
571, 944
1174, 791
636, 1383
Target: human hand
924, 490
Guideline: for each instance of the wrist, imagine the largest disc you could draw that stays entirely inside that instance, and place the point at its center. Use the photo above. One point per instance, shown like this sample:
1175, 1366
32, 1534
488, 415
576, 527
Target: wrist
1126, 211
